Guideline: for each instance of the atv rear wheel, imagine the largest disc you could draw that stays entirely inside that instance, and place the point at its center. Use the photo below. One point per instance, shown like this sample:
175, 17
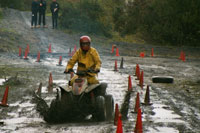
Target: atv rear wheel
100, 114
109, 103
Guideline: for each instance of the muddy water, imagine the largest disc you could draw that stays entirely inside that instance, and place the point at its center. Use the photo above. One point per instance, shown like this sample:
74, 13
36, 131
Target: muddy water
160, 117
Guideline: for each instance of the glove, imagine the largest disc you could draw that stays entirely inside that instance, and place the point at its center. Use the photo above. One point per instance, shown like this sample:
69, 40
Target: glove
68, 71
97, 70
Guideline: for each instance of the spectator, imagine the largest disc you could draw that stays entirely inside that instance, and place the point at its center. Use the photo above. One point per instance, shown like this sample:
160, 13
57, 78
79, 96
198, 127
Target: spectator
54, 10
42, 10
34, 8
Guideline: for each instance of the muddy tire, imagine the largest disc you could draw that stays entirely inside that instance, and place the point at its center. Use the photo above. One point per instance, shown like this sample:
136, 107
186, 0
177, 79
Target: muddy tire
100, 114
162, 79
109, 103
54, 112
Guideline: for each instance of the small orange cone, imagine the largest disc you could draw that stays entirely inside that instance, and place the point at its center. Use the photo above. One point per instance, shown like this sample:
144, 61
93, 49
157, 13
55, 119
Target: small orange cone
141, 80
115, 68
130, 88
183, 57
138, 125
116, 114
119, 125
20, 52
117, 52
60, 61
142, 54
138, 72
5, 98
136, 69
49, 50
38, 57
147, 97
152, 52
26, 54
137, 103
50, 86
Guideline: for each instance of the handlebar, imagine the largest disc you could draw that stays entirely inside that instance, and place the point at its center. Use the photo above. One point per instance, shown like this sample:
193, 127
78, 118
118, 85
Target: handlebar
82, 73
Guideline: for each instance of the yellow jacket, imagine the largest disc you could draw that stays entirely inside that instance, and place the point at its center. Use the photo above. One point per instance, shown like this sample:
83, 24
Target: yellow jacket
85, 61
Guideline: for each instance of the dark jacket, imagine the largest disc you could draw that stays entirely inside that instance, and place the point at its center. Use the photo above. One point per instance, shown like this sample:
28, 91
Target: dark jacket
43, 7
35, 6
53, 6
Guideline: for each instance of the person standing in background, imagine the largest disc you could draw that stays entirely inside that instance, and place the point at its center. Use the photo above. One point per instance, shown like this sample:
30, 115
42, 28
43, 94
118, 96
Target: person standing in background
34, 9
54, 10
42, 10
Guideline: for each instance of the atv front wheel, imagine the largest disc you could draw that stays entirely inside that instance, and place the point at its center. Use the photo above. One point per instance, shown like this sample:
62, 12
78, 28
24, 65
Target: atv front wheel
109, 103
100, 114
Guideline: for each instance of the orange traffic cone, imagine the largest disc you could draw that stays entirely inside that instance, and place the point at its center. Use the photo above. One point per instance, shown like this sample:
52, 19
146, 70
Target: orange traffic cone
183, 57
117, 52
147, 97
115, 68
141, 84
119, 125
26, 54
152, 52
5, 98
138, 125
116, 114
49, 50
130, 88
38, 57
138, 72
60, 61
50, 86
137, 103
142, 54
136, 69
20, 52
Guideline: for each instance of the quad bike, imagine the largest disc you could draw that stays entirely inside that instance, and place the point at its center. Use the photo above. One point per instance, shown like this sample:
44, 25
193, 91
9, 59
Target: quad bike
80, 100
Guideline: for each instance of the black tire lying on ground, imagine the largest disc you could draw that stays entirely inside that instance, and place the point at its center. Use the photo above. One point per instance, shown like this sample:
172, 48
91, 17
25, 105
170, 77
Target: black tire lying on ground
162, 79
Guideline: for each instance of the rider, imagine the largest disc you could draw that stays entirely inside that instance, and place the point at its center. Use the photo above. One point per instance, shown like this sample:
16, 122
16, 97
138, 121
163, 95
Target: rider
87, 58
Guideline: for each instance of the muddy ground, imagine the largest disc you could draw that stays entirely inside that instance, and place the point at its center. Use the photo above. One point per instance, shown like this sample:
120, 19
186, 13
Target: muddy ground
175, 106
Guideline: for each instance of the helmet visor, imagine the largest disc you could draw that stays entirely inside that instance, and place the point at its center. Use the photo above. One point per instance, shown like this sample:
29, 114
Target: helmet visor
85, 46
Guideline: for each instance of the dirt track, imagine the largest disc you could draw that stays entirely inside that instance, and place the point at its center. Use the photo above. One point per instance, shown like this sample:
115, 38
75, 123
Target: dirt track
175, 106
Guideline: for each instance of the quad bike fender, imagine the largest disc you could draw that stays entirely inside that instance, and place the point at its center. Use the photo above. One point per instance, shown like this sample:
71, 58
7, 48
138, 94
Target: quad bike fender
91, 87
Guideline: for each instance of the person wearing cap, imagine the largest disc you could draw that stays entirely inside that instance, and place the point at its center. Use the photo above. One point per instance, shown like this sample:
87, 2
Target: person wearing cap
87, 57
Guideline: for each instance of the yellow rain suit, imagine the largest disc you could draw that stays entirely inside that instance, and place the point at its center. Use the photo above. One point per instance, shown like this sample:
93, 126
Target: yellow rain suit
87, 60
